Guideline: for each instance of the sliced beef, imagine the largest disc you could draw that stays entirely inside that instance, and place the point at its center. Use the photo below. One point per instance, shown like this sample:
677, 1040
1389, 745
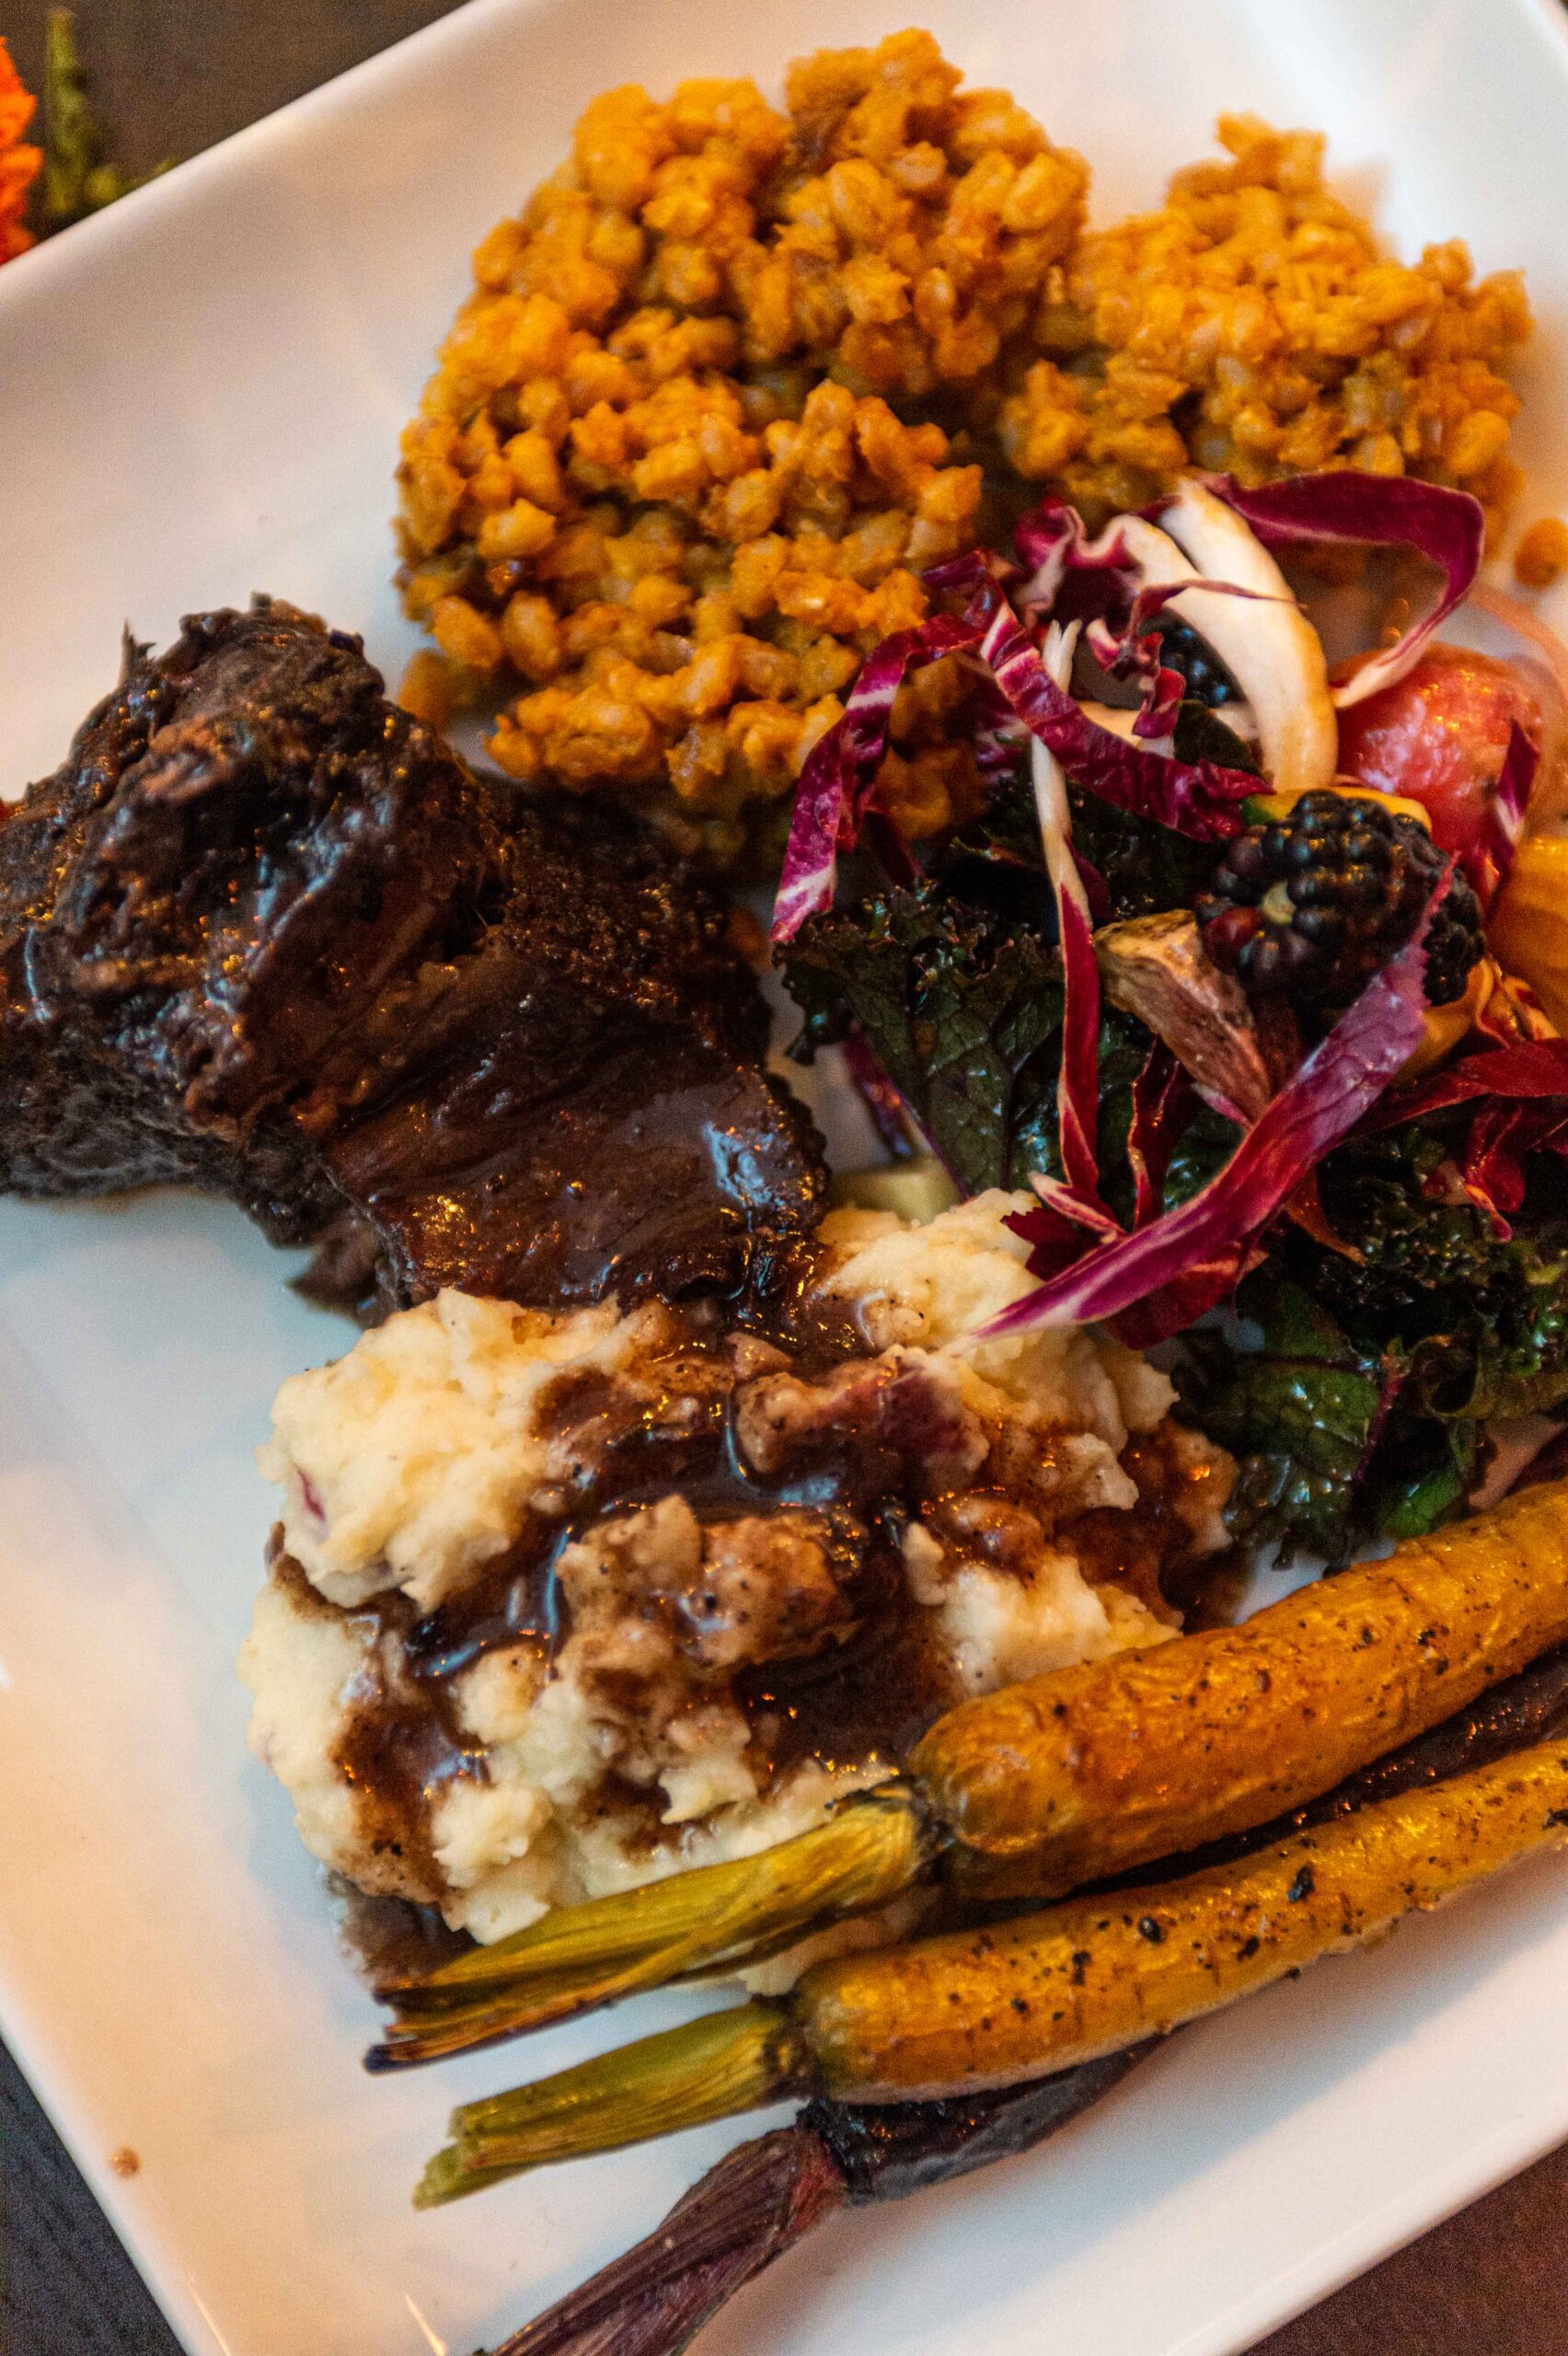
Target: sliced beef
264, 933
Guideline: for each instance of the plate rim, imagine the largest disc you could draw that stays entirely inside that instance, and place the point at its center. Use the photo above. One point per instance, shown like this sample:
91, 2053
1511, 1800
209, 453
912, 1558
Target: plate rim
1409, 2213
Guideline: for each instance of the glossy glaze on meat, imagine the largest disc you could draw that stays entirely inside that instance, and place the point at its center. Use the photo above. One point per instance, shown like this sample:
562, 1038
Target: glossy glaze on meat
262, 932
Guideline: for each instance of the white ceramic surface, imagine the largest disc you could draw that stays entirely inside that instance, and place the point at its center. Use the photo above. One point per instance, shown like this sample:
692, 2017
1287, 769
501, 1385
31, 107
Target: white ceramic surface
200, 394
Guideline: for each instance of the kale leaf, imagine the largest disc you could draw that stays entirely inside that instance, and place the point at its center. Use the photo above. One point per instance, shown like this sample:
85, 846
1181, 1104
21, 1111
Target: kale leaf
963, 1010
1298, 1402
1427, 1468
1485, 1314
1358, 1395
1200, 734
1149, 867
1146, 867
1356, 1385
1507, 1353
1200, 1152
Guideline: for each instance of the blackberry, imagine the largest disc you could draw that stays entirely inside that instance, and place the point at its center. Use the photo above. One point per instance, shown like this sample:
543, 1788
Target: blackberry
1208, 680
1309, 906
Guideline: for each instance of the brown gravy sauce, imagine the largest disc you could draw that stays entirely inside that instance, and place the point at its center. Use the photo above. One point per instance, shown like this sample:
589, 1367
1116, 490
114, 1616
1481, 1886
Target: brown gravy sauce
1149, 1552
388, 1939
869, 1695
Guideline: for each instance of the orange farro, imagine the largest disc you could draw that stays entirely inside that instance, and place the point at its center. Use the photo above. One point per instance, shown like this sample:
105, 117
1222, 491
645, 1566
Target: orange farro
670, 477
736, 375
1252, 325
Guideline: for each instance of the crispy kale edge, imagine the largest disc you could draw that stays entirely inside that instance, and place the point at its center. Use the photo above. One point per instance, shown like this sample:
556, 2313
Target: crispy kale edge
1355, 1386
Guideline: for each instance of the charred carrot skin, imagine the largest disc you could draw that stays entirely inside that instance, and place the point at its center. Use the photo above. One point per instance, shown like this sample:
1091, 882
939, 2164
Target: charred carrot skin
1076, 1777
988, 2008
993, 2008
1089, 1772
763, 2196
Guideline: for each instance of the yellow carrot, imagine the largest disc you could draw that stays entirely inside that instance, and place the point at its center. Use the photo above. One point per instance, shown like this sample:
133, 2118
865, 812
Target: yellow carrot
977, 2009
984, 2008
1096, 1769
1077, 1776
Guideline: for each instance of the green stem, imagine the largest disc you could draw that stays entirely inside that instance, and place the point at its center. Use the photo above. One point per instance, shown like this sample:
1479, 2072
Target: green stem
581, 1956
709, 2068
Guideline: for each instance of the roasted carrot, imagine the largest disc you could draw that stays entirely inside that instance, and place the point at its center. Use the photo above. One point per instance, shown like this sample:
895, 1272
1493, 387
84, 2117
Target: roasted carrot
759, 2202
985, 2008
761, 2199
988, 2008
1074, 1776
1095, 1770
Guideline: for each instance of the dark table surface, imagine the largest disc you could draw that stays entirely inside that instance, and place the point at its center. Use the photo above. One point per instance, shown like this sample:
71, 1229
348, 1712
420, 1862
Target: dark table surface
172, 77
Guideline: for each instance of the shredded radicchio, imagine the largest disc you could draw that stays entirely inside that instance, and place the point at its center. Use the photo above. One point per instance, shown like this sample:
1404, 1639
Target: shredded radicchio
1052, 542
834, 802
1520, 1092
1535, 1068
1164, 1101
1196, 798
1074, 1209
1492, 862
889, 1115
1493, 1171
1347, 508
1138, 655
1172, 1270
1078, 1089
833, 799
1172, 1267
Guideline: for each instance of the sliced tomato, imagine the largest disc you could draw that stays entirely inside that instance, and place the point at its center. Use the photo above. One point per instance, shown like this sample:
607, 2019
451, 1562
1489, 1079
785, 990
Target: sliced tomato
1438, 736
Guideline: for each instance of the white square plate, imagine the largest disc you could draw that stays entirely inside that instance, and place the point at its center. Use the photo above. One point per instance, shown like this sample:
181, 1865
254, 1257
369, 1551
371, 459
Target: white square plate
200, 395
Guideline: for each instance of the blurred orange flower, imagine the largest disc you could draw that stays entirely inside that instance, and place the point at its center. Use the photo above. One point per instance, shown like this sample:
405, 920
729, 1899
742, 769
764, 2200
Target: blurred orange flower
19, 165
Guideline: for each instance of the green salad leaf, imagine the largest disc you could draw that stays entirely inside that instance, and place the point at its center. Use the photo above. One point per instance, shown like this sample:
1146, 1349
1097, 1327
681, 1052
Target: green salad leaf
1145, 867
1485, 1314
1200, 734
1423, 1496
1297, 1403
963, 1010
1359, 1393
1356, 1385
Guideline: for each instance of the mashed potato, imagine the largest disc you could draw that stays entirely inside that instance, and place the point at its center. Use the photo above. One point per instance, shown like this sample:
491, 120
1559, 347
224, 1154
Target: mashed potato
558, 1604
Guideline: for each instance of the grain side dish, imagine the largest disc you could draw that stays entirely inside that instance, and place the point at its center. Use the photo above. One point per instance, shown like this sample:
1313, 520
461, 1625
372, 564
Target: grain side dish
736, 375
